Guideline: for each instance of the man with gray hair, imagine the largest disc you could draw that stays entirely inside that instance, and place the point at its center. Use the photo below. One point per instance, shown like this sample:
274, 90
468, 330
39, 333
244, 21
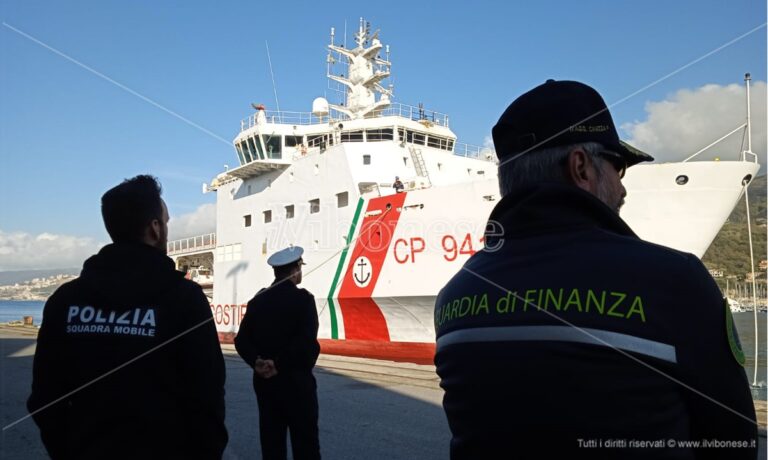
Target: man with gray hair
570, 336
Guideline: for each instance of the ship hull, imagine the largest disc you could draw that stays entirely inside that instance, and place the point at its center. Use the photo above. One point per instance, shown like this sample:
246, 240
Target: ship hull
376, 266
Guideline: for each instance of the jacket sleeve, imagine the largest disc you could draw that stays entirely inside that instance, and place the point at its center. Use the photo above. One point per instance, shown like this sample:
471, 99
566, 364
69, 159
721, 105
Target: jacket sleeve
202, 367
303, 349
721, 407
244, 341
48, 383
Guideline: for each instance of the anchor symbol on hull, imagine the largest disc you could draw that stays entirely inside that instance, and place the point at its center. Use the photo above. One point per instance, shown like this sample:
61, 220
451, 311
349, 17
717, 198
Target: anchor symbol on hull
365, 272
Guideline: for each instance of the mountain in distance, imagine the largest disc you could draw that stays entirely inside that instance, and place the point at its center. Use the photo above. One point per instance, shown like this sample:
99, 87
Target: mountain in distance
730, 249
21, 276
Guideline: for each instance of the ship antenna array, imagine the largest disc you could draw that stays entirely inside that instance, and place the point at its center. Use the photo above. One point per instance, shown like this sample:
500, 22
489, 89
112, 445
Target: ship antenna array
340, 90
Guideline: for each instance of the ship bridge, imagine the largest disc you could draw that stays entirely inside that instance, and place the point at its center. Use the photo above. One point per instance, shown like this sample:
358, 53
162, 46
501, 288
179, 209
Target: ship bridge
272, 141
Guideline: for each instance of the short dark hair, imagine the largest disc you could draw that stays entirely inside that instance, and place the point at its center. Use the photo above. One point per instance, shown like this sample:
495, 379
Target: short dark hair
284, 271
128, 208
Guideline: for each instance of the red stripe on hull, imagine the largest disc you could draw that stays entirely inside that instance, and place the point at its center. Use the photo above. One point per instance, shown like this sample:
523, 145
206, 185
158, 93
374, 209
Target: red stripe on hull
227, 337
363, 320
405, 352
373, 242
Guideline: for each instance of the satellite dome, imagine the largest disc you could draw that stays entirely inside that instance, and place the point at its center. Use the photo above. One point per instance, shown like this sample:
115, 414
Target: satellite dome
320, 107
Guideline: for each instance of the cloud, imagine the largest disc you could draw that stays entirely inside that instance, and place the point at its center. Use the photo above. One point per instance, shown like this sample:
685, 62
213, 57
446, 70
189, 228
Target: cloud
23, 251
691, 119
200, 221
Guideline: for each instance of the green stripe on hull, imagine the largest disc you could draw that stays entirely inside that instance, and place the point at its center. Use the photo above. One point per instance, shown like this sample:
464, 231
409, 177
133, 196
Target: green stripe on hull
331, 305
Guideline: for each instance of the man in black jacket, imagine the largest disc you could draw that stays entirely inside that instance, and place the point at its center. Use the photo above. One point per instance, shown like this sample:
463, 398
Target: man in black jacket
128, 363
278, 339
568, 336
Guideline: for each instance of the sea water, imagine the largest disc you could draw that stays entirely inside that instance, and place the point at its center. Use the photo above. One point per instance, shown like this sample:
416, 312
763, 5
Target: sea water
16, 310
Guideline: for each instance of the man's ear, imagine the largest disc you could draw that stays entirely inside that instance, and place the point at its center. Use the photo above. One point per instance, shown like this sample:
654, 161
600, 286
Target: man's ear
580, 169
154, 232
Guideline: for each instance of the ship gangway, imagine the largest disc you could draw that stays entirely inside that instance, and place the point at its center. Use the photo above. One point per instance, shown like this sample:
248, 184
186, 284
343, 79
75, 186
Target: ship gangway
191, 246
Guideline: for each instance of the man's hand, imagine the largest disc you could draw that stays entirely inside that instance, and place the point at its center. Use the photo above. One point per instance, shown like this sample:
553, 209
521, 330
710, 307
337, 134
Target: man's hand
265, 368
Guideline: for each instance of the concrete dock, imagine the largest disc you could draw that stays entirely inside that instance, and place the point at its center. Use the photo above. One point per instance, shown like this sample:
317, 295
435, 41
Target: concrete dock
368, 409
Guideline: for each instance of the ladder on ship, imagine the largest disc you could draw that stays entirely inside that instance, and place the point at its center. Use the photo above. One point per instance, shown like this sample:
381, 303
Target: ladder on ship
418, 163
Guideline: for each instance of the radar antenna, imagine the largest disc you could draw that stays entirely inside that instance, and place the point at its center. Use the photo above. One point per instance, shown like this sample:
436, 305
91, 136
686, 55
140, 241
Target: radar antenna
365, 72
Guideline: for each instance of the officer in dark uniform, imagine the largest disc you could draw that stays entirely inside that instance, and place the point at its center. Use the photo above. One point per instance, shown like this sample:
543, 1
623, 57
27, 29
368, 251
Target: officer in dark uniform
278, 339
128, 363
569, 336
398, 185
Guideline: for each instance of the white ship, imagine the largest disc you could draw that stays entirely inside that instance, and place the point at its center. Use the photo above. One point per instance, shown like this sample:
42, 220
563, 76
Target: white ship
376, 258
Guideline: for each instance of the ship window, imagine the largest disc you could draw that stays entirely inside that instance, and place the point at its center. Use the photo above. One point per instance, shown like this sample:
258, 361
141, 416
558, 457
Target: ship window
247, 220
374, 135
240, 154
259, 149
293, 141
267, 216
314, 206
352, 136
400, 134
437, 142
252, 149
272, 144
450, 145
246, 152
319, 140
366, 159
342, 199
289, 212
418, 138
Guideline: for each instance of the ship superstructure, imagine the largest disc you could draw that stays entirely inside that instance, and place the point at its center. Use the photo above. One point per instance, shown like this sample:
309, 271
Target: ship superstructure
375, 257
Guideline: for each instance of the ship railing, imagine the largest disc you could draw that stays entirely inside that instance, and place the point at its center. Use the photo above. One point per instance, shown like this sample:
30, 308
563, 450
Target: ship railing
474, 151
192, 244
285, 117
309, 118
412, 113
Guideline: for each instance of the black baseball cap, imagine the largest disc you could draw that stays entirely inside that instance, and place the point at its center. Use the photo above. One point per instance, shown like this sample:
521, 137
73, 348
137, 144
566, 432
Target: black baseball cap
559, 113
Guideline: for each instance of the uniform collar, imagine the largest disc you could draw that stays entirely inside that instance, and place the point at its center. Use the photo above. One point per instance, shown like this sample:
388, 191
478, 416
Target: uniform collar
551, 207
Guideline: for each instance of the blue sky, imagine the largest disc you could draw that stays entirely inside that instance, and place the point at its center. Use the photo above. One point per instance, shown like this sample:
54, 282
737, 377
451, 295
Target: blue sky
67, 135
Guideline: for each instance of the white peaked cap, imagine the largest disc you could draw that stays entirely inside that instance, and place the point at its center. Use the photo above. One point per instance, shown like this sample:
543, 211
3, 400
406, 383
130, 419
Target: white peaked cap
286, 256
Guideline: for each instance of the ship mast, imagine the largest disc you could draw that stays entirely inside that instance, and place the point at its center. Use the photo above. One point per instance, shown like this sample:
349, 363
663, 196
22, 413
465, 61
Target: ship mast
365, 71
